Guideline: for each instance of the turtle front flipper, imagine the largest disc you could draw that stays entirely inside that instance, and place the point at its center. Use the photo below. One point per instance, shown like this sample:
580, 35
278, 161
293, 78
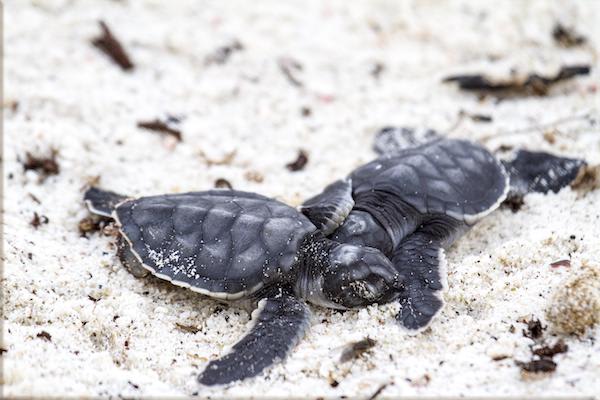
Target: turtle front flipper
102, 202
540, 172
420, 260
328, 210
280, 323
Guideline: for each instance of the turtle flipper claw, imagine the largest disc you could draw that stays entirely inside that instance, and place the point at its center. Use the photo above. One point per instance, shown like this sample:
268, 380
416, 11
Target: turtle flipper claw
280, 324
416, 312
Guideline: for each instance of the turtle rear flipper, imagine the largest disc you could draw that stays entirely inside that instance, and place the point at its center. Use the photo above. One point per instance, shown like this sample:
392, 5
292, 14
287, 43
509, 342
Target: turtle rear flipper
541, 172
328, 210
390, 140
280, 324
102, 202
129, 259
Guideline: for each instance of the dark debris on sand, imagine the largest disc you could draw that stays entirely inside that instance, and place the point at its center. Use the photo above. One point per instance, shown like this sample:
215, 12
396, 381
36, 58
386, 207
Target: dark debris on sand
377, 69
223, 183
550, 351
587, 180
514, 202
534, 329
187, 328
92, 223
378, 391
290, 69
567, 37
45, 336
355, 350
516, 85
480, 118
561, 263
111, 46
44, 166
299, 163
537, 366
541, 353
222, 54
38, 220
167, 127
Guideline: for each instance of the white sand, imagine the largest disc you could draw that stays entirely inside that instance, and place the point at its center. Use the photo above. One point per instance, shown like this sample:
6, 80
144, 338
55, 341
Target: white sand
73, 98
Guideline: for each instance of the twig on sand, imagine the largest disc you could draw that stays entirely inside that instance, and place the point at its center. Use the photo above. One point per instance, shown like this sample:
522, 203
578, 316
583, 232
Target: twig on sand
113, 48
379, 390
586, 116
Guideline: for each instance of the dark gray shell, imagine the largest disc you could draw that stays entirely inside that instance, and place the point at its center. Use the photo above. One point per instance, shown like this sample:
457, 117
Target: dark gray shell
446, 176
223, 243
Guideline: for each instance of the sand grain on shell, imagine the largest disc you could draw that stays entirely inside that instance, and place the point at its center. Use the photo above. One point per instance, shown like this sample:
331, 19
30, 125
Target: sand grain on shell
114, 335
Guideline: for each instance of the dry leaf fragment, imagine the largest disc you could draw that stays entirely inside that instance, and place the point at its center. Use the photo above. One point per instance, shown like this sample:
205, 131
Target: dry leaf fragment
299, 163
567, 37
112, 47
355, 350
517, 84
165, 127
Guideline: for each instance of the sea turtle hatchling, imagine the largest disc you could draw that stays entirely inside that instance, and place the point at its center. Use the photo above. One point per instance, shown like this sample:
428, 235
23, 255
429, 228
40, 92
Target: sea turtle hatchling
386, 225
234, 245
419, 196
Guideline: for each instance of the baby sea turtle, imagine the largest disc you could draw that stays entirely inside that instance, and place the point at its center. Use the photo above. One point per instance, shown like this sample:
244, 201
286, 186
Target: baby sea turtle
234, 245
386, 226
422, 194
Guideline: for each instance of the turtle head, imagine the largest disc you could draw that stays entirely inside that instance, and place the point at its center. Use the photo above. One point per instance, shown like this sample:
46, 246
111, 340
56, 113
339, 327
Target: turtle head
358, 276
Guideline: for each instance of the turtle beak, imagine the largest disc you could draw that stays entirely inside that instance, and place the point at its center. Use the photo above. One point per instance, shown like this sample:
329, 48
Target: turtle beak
396, 288
383, 267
